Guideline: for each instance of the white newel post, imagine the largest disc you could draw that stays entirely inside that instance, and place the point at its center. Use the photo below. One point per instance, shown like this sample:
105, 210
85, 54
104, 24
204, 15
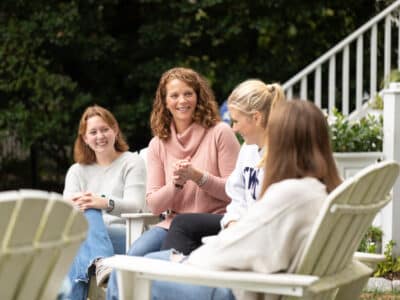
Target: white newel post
391, 150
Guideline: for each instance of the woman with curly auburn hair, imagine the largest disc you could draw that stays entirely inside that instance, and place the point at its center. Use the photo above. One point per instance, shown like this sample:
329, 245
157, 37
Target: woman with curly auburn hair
191, 155
105, 181
205, 113
189, 158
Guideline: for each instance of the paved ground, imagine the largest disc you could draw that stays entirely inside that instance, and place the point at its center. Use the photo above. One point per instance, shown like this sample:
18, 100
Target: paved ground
371, 296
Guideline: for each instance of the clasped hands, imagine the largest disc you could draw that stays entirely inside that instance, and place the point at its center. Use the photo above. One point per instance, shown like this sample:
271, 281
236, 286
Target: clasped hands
184, 171
86, 200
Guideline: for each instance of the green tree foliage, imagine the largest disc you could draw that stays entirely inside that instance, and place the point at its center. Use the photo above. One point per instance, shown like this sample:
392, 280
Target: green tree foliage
57, 57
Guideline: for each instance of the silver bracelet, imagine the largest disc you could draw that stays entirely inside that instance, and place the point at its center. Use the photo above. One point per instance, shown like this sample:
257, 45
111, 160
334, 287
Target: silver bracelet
203, 179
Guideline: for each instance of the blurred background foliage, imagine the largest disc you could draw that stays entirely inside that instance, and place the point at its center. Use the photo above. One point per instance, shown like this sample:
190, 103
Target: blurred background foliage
57, 57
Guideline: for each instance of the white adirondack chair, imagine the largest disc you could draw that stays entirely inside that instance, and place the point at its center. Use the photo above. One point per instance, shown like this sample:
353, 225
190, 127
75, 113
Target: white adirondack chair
40, 234
327, 270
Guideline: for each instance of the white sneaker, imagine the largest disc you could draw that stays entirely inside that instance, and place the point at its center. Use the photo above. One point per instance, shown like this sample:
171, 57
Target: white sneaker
102, 273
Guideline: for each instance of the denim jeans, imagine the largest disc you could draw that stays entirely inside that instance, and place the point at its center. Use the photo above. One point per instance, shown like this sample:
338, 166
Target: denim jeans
117, 234
100, 242
149, 241
164, 290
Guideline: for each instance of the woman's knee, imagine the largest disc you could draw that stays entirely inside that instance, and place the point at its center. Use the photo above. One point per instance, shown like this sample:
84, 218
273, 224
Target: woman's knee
149, 241
162, 255
181, 221
188, 224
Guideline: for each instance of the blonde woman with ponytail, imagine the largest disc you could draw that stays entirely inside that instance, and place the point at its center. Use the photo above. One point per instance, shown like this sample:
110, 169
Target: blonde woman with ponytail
250, 105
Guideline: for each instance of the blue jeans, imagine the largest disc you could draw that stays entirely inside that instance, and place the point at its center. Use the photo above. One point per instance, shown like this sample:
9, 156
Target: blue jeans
117, 234
149, 241
164, 290
100, 242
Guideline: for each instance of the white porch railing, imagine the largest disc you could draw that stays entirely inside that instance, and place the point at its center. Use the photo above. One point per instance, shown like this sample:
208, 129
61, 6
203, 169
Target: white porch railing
361, 84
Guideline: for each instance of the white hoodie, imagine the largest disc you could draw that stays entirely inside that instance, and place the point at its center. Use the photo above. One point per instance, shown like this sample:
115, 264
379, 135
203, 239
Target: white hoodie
244, 184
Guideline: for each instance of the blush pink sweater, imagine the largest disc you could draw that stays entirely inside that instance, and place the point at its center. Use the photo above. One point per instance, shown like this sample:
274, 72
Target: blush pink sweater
214, 150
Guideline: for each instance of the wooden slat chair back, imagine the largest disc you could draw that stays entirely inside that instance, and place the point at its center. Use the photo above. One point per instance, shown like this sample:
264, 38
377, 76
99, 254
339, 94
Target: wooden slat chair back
40, 234
344, 220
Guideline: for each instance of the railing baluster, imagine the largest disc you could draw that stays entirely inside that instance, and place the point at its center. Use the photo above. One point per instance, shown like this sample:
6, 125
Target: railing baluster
317, 87
303, 88
359, 72
398, 43
332, 83
289, 93
373, 61
388, 42
345, 80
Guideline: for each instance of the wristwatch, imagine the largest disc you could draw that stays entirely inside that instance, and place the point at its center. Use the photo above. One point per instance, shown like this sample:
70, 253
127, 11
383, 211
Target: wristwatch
203, 179
110, 206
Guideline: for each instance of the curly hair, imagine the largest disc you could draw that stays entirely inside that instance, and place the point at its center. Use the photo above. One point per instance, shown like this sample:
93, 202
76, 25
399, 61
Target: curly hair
82, 153
206, 112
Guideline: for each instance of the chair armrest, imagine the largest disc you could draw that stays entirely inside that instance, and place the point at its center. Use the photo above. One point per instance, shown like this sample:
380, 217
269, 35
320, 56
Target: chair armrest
370, 259
136, 273
144, 215
136, 223
139, 271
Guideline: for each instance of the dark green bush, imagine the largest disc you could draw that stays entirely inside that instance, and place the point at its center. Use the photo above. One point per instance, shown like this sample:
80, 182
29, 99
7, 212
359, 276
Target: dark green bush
365, 135
372, 241
390, 268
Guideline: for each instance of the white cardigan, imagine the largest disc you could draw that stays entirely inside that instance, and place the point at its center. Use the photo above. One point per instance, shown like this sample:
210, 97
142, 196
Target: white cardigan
271, 237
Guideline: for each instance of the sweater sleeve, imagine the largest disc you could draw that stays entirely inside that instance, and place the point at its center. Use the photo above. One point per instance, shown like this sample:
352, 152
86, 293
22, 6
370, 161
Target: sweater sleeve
159, 194
134, 187
73, 182
228, 149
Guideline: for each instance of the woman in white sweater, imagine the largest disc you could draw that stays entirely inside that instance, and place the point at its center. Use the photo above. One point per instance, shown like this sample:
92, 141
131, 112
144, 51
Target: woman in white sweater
250, 104
271, 236
105, 181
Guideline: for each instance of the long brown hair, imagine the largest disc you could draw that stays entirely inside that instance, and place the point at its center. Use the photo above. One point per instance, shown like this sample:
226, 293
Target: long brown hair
206, 113
82, 153
299, 145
